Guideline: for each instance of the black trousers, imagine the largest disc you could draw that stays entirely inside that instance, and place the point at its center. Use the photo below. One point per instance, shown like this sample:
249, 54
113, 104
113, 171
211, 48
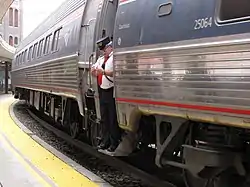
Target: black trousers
110, 128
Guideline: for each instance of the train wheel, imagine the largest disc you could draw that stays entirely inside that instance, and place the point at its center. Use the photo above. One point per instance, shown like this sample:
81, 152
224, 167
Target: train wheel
225, 179
191, 181
74, 129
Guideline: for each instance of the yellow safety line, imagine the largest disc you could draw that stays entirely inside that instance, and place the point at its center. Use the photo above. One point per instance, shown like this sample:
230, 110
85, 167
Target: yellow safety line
62, 174
24, 163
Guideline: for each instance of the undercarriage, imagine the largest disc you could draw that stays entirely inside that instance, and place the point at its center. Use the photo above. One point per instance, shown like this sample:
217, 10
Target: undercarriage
209, 155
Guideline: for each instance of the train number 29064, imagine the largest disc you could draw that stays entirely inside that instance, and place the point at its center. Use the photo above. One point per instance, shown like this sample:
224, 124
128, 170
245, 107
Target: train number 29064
203, 23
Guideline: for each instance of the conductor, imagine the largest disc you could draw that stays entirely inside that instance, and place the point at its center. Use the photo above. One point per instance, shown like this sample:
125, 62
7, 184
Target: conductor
103, 69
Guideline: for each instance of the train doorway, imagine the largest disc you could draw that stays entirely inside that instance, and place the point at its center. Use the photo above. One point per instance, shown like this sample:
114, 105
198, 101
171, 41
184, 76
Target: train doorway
105, 23
107, 19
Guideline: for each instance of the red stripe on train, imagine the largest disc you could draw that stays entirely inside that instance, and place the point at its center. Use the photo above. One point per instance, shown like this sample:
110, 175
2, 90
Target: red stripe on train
186, 106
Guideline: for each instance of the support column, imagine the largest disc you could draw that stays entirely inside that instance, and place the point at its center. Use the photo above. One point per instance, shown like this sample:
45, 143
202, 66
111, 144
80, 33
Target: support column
6, 78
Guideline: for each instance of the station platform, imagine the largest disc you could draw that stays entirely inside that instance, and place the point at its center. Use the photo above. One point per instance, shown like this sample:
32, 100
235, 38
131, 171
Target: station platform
25, 163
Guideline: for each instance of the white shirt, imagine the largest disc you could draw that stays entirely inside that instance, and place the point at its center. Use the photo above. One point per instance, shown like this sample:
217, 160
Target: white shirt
106, 84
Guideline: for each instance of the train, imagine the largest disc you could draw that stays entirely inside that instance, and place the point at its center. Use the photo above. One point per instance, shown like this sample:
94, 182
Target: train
181, 80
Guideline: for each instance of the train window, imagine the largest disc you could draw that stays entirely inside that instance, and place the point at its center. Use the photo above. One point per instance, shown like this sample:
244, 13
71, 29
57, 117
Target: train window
47, 44
40, 48
165, 9
22, 58
16, 61
25, 55
30, 53
34, 51
19, 59
56, 40
234, 10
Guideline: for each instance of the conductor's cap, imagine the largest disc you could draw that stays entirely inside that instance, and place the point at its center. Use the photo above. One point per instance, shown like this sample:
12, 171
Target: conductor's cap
103, 42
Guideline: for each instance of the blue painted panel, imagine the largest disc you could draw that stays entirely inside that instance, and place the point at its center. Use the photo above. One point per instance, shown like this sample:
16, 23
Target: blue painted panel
127, 25
177, 26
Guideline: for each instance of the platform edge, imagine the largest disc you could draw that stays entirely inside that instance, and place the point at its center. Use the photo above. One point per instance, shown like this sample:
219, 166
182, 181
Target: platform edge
86, 173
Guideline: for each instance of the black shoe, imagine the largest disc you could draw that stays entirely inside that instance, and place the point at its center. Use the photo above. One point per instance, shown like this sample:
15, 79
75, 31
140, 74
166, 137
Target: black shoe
103, 146
112, 148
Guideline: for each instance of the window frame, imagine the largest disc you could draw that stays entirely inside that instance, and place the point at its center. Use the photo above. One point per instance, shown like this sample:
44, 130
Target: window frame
11, 17
40, 48
228, 21
10, 36
22, 57
25, 55
16, 61
16, 18
47, 45
34, 52
55, 40
19, 59
30, 53
15, 40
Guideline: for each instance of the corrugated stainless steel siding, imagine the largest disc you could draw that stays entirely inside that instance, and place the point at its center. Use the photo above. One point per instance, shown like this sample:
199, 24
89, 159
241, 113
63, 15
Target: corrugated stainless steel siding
212, 74
58, 76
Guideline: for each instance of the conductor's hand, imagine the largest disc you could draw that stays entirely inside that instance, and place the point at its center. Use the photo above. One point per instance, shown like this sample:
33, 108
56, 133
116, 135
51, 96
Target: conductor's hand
93, 71
99, 71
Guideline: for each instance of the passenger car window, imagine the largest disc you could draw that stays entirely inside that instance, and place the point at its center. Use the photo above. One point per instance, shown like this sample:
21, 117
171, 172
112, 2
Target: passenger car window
47, 44
16, 61
40, 47
233, 10
22, 57
25, 56
34, 51
56, 40
30, 53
